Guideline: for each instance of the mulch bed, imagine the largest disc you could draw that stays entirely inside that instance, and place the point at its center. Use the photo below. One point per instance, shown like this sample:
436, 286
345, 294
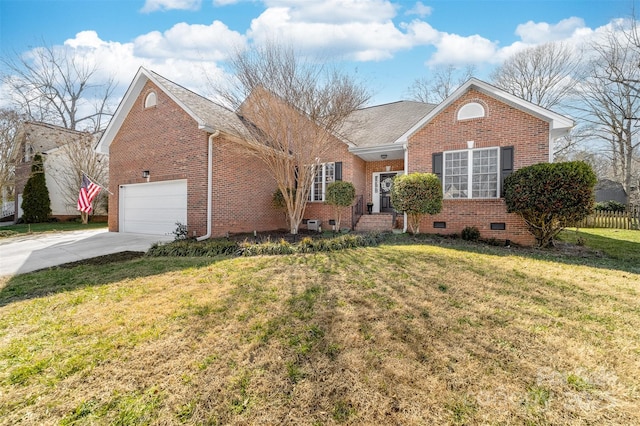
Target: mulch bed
561, 248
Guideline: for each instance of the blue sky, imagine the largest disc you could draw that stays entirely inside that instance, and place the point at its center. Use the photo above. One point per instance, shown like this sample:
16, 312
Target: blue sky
387, 43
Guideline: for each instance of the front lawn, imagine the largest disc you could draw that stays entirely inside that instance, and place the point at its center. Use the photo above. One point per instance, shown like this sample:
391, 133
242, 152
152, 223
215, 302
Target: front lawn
33, 228
444, 332
620, 244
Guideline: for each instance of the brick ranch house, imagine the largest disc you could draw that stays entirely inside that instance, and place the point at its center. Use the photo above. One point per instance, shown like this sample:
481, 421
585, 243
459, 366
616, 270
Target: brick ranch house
172, 159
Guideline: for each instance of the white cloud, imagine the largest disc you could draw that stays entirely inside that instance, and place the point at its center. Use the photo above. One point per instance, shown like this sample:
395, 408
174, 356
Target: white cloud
572, 32
317, 28
336, 11
420, 10
120, 61
543, 32
458, 50
155, 5
421, 33
111, 58
359, 30
197, 42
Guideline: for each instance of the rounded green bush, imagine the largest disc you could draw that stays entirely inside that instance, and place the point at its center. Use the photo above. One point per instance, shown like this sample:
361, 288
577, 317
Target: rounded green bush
550, 197
417, 194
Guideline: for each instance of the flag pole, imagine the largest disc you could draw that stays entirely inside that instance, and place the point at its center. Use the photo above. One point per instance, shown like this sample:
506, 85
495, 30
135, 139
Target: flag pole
94, 181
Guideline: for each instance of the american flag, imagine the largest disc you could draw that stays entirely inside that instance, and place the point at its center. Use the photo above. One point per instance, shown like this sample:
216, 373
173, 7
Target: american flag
88, 191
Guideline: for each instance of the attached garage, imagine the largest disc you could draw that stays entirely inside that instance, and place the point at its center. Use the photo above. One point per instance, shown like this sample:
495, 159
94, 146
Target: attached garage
153, 208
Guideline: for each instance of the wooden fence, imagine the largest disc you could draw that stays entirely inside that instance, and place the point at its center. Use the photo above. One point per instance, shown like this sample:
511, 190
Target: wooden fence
629, 219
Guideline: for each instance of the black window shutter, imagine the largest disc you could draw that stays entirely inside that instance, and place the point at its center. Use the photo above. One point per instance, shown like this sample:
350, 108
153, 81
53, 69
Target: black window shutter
436, 164
295, 176
506, 165
338, 170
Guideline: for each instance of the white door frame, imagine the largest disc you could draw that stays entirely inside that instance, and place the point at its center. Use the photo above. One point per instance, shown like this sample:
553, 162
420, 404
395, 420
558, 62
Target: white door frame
375, 187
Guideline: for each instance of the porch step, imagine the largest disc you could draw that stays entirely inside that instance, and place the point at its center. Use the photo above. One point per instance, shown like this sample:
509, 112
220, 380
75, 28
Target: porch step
375, 222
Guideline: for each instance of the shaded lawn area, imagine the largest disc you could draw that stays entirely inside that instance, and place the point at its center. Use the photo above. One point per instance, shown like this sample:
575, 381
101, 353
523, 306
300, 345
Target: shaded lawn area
397, 334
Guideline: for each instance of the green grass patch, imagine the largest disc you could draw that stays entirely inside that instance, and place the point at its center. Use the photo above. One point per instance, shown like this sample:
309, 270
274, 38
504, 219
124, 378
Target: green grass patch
412, 331
37, 228
619, 244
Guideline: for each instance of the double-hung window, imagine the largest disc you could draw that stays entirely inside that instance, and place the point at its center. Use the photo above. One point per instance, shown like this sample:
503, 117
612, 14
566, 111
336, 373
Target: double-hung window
472, 173
325, 174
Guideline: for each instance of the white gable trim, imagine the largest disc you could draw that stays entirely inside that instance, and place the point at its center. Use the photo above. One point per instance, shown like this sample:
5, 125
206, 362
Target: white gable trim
559, 125
127, 103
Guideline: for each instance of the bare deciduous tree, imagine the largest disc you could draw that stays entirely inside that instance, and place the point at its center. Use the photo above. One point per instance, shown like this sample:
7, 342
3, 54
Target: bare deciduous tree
541, 74
600, 162
437, 86
55, 85
566, 145
296, 106
9, 126
80, 157
544, 75
611, 102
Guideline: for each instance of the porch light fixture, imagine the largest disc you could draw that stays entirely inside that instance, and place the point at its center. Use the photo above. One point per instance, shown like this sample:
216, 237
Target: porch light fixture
383, 156
145, 174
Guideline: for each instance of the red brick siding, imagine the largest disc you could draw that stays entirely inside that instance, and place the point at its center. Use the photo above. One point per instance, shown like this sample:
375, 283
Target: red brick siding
242, 193
479, 213
354, 171
166, 141
503, 125
380, 166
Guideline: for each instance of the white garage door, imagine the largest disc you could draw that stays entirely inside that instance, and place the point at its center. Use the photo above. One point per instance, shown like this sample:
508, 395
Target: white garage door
153, 208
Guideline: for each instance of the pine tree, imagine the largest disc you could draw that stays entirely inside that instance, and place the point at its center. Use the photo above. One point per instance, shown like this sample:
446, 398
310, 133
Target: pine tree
36, 204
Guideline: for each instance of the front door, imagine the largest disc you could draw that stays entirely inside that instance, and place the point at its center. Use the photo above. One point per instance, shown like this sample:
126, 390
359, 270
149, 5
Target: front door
386, 183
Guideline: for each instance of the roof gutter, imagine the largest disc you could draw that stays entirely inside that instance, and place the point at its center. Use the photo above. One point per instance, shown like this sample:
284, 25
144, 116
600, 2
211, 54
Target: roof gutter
212, 136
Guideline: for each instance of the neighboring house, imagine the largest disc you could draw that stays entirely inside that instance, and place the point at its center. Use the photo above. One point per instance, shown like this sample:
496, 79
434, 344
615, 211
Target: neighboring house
52, 142
609, 190
173, 159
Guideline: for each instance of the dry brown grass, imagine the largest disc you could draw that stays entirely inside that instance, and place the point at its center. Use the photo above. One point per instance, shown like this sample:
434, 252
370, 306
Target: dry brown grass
388, 335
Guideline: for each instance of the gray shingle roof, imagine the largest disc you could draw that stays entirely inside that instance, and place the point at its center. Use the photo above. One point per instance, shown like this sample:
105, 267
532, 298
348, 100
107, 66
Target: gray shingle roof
372, 126
208, 112
45, 137
383, 124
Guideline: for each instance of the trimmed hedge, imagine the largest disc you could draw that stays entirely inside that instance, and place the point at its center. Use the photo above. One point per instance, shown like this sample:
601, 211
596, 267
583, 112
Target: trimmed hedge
192, 248
610, 206
550, 197
417, 194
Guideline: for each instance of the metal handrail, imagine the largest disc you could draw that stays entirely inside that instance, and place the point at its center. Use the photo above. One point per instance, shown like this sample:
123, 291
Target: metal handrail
356, 211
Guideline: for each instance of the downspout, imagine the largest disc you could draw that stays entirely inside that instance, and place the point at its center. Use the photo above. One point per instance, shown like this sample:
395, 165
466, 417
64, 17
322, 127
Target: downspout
406, 172
212, 136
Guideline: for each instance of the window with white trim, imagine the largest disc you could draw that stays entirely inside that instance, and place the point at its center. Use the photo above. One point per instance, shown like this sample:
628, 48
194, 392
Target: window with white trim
324, 176
471, 110
471, 173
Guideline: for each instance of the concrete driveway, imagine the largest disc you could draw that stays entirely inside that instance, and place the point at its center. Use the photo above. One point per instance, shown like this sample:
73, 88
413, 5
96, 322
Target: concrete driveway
28, 253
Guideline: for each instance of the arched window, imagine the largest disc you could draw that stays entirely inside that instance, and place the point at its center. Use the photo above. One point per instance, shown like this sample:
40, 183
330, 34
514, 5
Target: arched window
151, 100
471, 110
